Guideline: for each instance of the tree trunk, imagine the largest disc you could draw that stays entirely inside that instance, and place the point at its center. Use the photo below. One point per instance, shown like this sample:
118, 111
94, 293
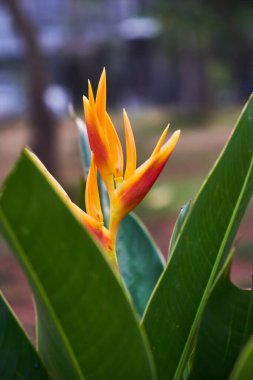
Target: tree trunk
41, 117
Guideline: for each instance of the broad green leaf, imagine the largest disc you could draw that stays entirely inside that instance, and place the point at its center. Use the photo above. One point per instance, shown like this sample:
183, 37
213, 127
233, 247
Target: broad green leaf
174, 311
140, 260
86, 326
18, 358
177, 228
225, 327
243, 369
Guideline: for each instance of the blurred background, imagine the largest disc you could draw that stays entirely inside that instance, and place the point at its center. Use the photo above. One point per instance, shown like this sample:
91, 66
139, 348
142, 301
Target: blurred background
187, 62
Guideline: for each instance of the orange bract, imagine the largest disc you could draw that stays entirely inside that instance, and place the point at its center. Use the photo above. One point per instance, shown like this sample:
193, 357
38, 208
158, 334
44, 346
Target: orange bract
125, 189
130, 147
92, 200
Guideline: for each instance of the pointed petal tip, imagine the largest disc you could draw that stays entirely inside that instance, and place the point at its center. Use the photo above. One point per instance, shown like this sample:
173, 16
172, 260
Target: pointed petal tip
167, 128
90, 94
177, 133
102, 79
160, 141
85, 99
89, 87
130, 147
125, 116
175, 137
86, 103
170, 145
164, 134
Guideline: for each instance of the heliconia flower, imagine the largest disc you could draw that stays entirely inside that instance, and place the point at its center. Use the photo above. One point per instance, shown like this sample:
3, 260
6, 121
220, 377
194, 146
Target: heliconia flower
126, 188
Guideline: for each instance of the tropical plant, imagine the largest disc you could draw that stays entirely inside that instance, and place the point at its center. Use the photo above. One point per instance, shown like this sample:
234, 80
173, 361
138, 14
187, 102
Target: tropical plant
107, 306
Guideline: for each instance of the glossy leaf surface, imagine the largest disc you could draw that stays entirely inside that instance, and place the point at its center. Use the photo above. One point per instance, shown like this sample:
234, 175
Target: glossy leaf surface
174, 311
87, 328
226, 325
243, 369
177, 228
140, 261
18, 358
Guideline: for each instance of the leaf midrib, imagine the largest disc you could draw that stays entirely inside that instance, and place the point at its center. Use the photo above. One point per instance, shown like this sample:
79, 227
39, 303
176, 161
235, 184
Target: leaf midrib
41, 291
215, 266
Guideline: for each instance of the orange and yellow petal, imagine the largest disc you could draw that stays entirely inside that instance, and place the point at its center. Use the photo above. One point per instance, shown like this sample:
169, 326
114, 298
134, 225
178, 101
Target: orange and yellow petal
115, 147
134, 189
130, 147
160, 142
92, 199
98, 143
101, 98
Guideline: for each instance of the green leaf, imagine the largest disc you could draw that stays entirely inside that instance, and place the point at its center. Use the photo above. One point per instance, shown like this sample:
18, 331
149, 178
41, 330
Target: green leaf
172, 316
84, 141
105, 202
86, 326
140, 260
177, 228
243, 369
81, 200
226, 325
18, 358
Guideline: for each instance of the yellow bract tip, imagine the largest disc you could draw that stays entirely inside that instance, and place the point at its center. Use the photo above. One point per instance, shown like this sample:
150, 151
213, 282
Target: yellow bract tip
101, 98
130, 147
92, 199
171, 143
90, 94
115, 148
160, 141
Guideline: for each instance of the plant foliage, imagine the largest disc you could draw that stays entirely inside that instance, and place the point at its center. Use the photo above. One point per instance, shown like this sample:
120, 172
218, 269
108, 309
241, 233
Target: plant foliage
196, 322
